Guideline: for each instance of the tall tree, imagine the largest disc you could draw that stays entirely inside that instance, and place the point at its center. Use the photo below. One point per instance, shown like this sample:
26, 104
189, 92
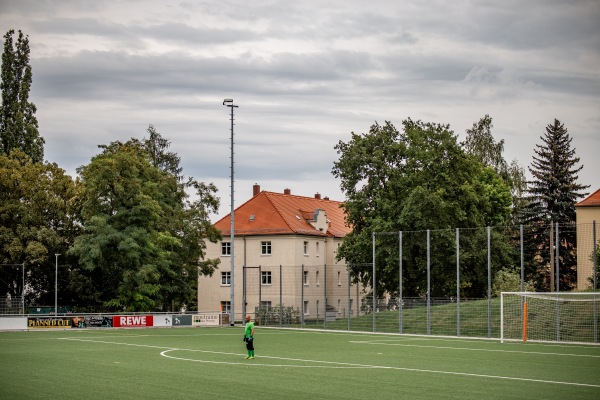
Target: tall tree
143, 238
39, 218
415, 180
18, 124
552, 194
481, 143
157, 148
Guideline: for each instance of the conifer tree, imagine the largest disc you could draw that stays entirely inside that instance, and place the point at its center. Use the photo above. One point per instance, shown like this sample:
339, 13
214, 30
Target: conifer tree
552, 194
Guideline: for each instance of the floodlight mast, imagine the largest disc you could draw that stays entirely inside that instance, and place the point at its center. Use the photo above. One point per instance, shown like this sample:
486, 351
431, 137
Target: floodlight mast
229, 103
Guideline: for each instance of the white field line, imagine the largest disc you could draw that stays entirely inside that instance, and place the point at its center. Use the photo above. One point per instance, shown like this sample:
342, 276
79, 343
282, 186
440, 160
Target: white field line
382, 343
325, 364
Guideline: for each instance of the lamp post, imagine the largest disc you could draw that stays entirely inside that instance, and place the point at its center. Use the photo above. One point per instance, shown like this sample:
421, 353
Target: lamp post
229, 103
56, 286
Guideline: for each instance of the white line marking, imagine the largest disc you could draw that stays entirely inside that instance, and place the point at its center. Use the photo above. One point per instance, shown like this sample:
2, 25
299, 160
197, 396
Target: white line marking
329, 364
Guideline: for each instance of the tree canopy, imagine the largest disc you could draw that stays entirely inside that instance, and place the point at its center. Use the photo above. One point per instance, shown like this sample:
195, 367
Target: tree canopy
412, 180
143, 237
38, 219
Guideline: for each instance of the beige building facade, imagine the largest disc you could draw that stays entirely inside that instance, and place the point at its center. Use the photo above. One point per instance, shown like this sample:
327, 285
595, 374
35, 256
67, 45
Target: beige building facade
285, 250
588, 221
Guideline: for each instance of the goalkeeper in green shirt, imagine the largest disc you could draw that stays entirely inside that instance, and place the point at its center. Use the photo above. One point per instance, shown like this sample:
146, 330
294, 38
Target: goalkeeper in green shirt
249, 338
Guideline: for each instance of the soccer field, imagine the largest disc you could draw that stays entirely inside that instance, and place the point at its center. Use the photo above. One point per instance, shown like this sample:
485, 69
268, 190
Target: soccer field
208, 363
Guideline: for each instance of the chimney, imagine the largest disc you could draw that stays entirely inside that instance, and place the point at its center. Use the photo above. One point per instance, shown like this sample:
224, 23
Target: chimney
326, 198
255, 189
317, 196
287, 191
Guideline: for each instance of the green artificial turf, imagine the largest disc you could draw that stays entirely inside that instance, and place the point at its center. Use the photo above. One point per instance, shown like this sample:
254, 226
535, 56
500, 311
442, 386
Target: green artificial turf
208, 363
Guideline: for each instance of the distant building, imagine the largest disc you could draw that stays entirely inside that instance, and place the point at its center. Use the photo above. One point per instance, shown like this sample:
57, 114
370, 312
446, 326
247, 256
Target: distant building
587, 211
281, 241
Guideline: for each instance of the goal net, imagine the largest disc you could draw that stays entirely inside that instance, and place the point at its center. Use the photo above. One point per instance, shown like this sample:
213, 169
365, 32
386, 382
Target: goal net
549, 317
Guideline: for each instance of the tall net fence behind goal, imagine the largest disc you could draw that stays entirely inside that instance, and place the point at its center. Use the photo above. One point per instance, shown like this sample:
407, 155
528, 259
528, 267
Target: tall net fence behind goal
549, 317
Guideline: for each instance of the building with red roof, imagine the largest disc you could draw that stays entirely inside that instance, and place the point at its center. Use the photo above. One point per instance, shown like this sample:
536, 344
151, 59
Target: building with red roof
588, 219
284, 252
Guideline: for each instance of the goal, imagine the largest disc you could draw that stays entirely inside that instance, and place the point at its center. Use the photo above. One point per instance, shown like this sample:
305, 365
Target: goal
549, 317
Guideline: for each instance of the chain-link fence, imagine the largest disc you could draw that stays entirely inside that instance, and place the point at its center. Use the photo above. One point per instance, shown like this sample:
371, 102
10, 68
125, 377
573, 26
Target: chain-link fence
12, 305
431, 282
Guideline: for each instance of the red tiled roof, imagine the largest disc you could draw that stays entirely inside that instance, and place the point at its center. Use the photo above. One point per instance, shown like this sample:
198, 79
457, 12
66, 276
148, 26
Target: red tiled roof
592, 200
270, 213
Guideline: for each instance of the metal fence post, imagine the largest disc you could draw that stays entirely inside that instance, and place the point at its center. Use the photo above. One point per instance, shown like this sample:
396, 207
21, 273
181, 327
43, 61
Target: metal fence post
244, 295
280, 296
428, 285
489, 262
522, 259
457, 283
557, 261
374, 287
349, 300
595, 281
400, 281
302, 296
325, 296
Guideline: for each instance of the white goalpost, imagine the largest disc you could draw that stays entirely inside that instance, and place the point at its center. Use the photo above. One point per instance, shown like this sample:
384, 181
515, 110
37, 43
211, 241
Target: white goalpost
570, 317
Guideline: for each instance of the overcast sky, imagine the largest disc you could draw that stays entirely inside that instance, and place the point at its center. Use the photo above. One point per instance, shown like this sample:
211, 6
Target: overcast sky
305, 74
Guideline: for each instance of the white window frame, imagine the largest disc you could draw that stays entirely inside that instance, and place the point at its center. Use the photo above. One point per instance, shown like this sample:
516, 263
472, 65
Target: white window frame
265, 248
266, 304
226, 249
225, 278
305, 278
305, 305
265, 278
305, 248
226, 307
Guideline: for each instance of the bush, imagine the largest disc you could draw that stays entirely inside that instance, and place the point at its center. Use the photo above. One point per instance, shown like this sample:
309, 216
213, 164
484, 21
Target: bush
509, 281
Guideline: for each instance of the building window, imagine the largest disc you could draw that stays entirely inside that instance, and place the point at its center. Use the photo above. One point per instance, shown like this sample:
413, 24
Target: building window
305, 278
225, 248
350, 307
265, 248
317, 279
339, 278
265, 305
317, 247
265, 277
305, 248
305, 307
338, 308
226, 278
226, 307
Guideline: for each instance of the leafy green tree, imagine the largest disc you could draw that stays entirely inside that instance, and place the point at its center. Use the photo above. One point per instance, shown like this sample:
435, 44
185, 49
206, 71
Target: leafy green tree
18, 124
507, 280
551, 195
38, 219
481, 143
143, 237
157, 147
416, 180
